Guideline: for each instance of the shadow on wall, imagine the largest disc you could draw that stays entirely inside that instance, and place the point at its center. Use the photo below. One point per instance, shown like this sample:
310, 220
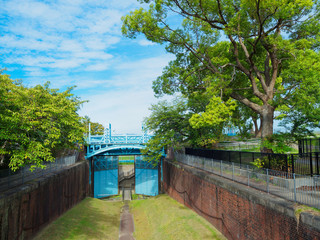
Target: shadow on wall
26, 209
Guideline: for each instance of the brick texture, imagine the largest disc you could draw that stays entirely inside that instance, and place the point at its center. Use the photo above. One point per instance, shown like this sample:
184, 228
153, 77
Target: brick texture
236, 213
25, 210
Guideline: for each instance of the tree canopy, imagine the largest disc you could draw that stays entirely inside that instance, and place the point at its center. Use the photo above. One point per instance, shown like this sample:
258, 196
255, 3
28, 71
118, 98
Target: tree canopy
170, 123
95, 127
261, 54
36, 123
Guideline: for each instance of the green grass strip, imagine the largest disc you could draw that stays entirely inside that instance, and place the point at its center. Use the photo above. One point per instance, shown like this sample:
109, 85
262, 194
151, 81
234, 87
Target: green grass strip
90, 219
162, 218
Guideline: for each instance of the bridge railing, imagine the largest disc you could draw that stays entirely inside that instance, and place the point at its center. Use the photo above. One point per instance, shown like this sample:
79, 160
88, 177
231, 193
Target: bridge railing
114, 139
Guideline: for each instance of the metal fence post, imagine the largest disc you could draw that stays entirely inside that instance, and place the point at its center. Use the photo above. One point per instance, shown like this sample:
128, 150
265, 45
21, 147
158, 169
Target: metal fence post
248, 175
311, 167
221, 168
211, 165
232, 171
292, 161
240, 158
317, 162
294, 187
267, 180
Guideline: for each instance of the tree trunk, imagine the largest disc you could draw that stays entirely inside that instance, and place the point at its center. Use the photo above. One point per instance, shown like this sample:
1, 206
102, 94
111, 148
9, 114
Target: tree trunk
258, 129
266, 125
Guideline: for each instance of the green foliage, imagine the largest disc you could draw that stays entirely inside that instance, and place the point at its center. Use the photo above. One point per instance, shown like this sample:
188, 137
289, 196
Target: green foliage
276, 163
259, 163
170, 124
217, 112
263, 54
95, 128
36, 123
279, 143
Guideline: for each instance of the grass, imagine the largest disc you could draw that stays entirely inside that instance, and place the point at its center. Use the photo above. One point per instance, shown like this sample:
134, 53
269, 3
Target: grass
299, 208
163, 218
126, 163
126, 157
155, 218
90, 219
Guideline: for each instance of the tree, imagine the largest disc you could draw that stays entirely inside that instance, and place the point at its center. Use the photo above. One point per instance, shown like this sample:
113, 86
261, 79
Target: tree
36, 123
95, 128
262, 54
172, 124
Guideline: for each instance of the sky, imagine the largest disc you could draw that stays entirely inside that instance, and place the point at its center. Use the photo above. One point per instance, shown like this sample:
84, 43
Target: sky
79, 42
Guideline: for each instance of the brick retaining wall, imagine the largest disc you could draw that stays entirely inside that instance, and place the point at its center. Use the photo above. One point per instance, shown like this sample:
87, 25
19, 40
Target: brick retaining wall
239, 212
26, 209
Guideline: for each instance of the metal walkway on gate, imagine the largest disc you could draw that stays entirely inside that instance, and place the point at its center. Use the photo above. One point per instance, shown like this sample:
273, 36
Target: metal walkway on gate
116, 144
103, 153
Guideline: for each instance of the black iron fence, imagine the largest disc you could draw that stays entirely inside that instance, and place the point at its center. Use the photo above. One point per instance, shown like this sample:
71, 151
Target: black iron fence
305, 163
291, 186
308, 145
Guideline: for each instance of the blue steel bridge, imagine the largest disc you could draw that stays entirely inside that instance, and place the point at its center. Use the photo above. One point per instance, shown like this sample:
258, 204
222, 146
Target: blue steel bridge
103, 153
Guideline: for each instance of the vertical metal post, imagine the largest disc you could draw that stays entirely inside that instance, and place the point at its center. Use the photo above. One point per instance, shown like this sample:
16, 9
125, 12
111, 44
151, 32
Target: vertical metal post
269, 161
317, 161
299, 146
294, 187
221, 168
240, 158
311, 167
286, 156
89, 134
212, 165
267, 180
92, 176
310, 146
232, 171
248, 175
292, 161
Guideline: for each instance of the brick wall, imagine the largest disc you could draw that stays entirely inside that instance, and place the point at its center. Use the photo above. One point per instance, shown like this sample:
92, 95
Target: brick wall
239, 212
25, 210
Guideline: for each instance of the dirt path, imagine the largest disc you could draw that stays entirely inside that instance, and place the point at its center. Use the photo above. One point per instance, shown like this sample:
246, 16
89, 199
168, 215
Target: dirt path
126, 223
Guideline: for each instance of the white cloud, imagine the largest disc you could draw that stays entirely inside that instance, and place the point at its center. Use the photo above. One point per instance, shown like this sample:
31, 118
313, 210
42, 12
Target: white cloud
13, 42
98, 67
145, 42
79, 42
124, 109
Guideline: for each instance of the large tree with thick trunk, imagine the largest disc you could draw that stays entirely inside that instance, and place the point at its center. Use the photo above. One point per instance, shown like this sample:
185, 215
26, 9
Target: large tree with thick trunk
261, 53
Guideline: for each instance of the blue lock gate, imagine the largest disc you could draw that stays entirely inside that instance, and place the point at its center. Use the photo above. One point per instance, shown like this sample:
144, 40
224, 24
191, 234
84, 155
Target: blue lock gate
146, 177
105, 176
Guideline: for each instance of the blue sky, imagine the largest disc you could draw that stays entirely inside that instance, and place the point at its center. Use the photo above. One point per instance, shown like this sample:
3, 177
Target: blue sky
79, 42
